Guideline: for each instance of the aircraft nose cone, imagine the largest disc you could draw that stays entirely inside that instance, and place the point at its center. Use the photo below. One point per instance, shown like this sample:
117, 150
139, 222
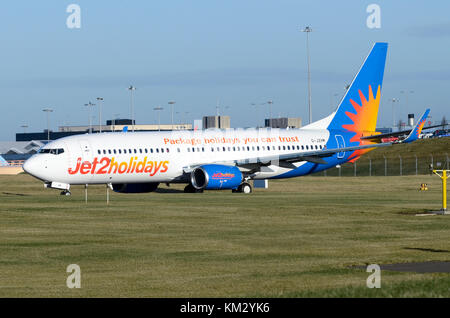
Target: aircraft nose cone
29, 166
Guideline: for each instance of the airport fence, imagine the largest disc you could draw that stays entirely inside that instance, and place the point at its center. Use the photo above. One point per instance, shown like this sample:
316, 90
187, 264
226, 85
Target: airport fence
399, 165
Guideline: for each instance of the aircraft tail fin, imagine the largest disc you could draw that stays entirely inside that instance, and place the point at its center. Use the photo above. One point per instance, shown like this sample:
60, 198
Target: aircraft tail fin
358, 110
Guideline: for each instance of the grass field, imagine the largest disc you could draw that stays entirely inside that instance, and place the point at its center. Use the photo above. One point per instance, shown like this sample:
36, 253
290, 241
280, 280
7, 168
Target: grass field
299, 238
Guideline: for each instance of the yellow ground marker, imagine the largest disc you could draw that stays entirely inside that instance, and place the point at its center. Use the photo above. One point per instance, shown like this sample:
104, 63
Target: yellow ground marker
444, 177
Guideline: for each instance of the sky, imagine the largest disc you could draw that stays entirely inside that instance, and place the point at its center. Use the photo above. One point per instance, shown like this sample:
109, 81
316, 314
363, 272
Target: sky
208, 53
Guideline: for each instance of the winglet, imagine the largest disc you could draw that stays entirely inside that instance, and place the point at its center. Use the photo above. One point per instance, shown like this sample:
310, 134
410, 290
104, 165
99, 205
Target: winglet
414, 134
125, 129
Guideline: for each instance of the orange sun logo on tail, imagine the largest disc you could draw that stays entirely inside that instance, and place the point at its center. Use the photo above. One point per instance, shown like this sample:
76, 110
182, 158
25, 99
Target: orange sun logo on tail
364, 121
419, 129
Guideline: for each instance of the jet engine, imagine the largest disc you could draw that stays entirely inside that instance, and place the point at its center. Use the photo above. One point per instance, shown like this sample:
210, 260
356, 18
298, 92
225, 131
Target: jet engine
216, 177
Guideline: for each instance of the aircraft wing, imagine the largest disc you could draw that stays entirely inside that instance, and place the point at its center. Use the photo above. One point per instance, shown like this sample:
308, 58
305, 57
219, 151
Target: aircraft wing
286, 160
315, 156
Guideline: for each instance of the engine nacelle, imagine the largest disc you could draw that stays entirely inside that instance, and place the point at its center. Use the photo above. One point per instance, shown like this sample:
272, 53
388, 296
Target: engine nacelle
134, 187
216, 177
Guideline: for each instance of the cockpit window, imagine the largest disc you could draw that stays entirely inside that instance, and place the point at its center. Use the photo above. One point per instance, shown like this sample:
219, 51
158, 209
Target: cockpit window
52, 151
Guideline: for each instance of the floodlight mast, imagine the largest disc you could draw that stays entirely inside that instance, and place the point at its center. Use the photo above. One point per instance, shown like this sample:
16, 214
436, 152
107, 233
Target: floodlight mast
171, 103
100, 100
308, 30
48, 110
90, 105
158, 109
131, 88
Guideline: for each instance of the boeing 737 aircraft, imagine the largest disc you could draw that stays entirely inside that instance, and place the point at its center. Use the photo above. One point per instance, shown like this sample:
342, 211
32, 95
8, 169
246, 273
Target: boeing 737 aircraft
136, 162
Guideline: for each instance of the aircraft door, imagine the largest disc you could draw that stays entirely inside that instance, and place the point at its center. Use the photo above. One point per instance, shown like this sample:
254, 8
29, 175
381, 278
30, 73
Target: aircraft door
86, 150
87, 155
340, 144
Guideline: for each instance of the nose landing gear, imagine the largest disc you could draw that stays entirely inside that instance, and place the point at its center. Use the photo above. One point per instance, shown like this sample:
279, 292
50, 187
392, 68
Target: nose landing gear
66, 192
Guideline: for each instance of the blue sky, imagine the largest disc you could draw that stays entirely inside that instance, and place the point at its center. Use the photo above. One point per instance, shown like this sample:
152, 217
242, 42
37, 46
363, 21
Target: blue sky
199, 52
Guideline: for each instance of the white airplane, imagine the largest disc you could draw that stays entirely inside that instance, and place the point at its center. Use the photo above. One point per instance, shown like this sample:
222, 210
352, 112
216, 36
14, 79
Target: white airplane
136, 162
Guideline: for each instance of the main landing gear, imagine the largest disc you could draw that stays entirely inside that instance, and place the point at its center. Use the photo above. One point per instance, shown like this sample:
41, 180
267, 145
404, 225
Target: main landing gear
245, 187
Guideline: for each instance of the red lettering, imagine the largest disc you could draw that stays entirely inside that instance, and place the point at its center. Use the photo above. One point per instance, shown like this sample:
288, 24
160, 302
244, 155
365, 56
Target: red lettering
157, 166
165, 166
105, 161
85, 167
113, 164
77, 167
141, 165
149, 167
134, 164
123, 167
130, 165
94, 165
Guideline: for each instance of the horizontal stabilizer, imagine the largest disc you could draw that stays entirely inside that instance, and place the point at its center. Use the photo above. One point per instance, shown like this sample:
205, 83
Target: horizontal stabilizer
379, 137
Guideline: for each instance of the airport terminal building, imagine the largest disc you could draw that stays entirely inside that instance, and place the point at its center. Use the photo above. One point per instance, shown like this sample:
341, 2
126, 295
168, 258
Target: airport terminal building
113, 125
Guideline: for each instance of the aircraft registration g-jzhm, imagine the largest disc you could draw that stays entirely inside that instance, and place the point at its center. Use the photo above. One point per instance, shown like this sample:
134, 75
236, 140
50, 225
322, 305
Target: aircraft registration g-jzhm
136, 162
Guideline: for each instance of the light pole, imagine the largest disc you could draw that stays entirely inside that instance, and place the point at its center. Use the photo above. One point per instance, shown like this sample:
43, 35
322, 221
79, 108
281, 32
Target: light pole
158, 109
308, 30
48, 110
24, 128
270, 102
257, 114
90, 105
100, 101
185, 120
116, 116
171, 103
393, 100
131, 89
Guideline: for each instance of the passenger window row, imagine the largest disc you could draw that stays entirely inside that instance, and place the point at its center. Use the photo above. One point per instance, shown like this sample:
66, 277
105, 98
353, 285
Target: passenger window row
202, 149
132, 151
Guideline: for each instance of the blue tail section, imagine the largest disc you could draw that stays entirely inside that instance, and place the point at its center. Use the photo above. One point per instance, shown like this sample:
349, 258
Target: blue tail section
356, 115
358, 109
415, 133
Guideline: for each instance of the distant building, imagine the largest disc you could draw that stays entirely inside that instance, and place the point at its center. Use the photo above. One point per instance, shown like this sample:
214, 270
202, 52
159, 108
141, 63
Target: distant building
19, 150
111, 126
118, 124
216, 122
283, 122
384, 130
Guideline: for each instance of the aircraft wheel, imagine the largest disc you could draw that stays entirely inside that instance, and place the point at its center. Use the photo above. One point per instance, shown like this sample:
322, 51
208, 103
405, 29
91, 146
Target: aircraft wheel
246, 188
243, 188
65, 192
